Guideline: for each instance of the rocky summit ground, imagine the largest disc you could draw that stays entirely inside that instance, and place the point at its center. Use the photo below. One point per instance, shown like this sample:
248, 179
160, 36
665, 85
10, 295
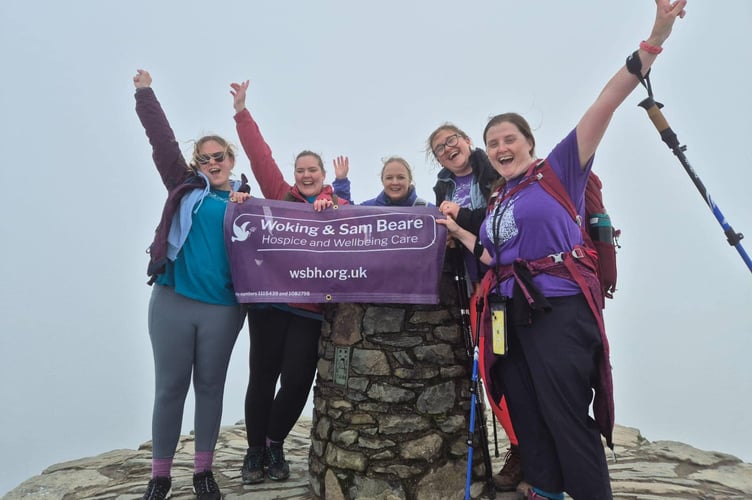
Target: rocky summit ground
642, 470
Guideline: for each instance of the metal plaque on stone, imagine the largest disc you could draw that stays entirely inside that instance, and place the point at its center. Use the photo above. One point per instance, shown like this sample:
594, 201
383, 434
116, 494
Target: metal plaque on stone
341, 365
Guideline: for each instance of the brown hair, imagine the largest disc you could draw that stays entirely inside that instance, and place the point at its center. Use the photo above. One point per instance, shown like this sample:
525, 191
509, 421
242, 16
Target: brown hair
229, 148
522, 125
306, 152
518, 121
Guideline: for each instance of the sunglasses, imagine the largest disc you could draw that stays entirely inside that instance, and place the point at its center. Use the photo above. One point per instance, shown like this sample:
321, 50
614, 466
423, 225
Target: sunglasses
203, 159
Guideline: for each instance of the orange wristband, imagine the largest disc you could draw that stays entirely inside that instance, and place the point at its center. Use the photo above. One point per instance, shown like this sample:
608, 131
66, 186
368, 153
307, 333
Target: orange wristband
650, 49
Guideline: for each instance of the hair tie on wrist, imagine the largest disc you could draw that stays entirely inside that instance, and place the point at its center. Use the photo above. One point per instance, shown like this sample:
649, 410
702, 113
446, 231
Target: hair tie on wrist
650, 49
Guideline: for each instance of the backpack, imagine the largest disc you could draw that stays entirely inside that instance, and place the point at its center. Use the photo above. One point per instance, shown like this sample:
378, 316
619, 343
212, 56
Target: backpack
597, 231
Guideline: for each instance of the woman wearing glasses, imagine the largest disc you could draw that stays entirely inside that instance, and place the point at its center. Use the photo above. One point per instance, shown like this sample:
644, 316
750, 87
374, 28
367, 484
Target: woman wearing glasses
466, 177
557, 363
284, 337
462, 190
463, 186
194, 318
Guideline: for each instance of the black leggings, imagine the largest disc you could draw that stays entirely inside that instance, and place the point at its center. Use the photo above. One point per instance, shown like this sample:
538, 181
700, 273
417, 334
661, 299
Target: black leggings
284, 347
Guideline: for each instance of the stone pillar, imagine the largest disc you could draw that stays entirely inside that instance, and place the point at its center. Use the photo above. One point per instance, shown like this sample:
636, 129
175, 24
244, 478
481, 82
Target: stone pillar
391, 402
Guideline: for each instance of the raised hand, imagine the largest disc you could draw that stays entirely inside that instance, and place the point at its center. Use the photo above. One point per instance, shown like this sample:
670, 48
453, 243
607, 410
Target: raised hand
238, 95
341, 167
665, 16
142, 79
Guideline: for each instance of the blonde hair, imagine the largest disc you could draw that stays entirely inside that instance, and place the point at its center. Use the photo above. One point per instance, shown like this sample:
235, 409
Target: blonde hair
401, 161
229, 149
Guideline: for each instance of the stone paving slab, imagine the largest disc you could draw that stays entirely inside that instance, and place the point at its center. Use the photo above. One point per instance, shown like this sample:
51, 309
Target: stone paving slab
642, 471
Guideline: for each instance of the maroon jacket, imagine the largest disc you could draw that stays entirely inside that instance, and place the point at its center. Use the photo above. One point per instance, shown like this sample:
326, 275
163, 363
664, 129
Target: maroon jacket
177, 176
269, 176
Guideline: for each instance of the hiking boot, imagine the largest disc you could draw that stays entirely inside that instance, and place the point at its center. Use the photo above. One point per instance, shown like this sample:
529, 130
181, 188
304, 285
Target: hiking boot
277, 467
205, 487
510, 474
253, 465
158, 489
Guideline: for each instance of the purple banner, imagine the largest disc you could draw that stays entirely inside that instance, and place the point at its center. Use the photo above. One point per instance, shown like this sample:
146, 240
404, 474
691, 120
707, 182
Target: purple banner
285, 252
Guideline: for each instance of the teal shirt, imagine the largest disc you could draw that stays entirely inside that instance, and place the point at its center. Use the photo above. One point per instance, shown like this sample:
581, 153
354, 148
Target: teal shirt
201, 270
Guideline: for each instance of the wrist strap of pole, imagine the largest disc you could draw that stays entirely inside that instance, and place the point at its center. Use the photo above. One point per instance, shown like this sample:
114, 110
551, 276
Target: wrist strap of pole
634, 66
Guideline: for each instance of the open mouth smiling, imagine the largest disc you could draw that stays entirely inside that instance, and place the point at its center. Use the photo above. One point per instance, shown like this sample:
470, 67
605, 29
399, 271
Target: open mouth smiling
504, 160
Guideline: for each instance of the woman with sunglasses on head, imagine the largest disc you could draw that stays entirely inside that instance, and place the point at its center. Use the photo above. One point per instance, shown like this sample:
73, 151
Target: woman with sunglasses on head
194, 318
396, 178
558, 356
284, 337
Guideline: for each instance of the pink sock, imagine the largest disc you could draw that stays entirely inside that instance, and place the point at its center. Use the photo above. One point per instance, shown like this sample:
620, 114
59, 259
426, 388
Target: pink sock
160, 467
202, 461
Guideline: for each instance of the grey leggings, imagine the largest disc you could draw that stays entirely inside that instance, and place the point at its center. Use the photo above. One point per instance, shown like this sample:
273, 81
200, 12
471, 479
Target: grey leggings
189, 337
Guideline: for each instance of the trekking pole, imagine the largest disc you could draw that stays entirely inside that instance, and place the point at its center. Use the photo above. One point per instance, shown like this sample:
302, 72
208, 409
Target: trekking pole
496, 439
482, 406
476, 401
669, 137
471, 432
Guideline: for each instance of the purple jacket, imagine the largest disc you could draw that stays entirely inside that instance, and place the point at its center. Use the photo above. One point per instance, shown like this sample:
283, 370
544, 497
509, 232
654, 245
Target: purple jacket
177, 176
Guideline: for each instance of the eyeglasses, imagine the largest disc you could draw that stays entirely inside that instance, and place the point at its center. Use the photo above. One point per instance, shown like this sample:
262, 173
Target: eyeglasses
450, 141
203, 159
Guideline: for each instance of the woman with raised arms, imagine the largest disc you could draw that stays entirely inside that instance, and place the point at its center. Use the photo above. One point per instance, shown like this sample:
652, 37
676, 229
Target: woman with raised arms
284, 337
558, 355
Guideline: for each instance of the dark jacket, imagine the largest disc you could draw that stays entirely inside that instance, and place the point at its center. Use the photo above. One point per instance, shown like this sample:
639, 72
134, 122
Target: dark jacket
484, 177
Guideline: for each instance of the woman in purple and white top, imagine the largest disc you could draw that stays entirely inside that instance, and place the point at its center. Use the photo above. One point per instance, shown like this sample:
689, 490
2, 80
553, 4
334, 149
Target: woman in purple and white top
557, 361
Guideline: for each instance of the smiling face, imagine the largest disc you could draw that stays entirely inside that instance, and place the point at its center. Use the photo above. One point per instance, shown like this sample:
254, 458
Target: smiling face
396, 178
216, 162
309, 175
508, 149
452, 150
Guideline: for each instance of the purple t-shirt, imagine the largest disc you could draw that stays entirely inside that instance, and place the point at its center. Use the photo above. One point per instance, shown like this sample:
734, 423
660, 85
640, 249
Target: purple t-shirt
462, 185
532, 224
462, 196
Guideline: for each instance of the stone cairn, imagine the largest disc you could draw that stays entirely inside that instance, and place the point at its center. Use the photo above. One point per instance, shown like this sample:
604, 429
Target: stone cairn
391, 402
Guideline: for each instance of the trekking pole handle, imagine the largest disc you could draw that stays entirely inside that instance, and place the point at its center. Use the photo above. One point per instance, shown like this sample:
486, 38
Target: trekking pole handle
661, 124
655, 114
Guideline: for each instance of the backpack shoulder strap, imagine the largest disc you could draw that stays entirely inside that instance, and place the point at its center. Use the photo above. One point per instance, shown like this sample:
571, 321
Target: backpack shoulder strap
593, 195
553, 186
502, 193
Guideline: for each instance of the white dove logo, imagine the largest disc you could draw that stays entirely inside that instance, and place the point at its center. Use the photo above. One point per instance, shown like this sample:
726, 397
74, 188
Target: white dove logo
241, 233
